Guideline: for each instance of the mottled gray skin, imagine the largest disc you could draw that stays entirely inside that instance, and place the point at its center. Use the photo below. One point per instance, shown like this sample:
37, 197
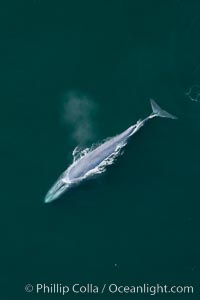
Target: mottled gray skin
98, 155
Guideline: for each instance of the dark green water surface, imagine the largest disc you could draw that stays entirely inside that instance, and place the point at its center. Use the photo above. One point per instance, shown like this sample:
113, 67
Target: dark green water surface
139, 222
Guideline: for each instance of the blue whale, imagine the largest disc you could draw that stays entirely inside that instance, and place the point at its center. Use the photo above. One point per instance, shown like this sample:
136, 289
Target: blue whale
89, 164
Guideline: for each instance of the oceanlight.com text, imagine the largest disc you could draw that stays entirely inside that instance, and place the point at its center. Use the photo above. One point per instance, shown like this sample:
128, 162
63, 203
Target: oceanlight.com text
111, 288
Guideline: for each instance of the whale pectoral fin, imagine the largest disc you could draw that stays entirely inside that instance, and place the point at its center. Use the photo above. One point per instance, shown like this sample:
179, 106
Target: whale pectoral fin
157, 111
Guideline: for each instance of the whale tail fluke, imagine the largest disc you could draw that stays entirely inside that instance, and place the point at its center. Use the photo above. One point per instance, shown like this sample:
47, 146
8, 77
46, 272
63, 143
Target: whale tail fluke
157, 111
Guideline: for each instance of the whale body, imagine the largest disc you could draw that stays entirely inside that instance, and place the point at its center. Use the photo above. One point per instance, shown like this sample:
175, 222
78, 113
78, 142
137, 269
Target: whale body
87, 165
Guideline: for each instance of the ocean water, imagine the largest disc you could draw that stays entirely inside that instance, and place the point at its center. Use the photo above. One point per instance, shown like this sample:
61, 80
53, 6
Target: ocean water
138, 223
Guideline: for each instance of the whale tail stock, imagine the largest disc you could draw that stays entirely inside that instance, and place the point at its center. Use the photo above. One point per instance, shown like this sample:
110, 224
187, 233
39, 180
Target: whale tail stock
159, 112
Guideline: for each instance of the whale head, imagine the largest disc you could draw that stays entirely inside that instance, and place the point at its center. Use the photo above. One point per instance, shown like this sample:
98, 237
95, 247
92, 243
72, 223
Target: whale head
59, 187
